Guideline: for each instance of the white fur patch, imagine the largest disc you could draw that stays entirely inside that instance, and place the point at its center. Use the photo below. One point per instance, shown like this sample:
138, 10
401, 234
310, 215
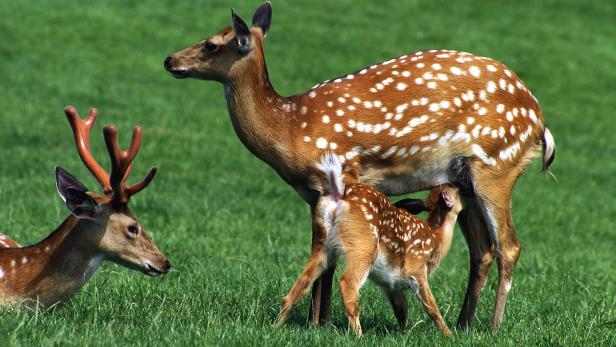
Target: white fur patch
507, 286
550, 146
331, 166
386, 276
94, 264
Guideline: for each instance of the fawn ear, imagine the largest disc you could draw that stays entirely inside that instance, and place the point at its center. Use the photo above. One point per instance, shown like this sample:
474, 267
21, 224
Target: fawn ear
447, 198
242, 34
73, 193
263, 17
414, 206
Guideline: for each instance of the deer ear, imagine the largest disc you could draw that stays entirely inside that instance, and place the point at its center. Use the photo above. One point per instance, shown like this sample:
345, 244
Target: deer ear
414, 206
65, 180
263, 17
447, 198
73, 193
242, 34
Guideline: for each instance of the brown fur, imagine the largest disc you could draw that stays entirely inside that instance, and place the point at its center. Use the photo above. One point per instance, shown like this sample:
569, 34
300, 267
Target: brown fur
364, 226
52, 270
101, 228
7, 242
291, 133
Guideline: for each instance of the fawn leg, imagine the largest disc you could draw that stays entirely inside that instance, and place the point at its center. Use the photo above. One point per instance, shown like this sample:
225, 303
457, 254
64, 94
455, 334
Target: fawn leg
429, 304
312, 270
355, 274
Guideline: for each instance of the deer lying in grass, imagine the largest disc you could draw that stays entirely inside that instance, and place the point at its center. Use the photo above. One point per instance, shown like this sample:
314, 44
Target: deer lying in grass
100, 227
390, 245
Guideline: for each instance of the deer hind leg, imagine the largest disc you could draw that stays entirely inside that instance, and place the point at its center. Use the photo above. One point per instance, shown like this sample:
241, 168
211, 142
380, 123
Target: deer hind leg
429, 304
494, 199
355, 274
312, 270
481, 253
508, 251
399, 304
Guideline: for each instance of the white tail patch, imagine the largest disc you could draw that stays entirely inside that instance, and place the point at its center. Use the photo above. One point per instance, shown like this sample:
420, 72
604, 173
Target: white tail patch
549, 150
331, 166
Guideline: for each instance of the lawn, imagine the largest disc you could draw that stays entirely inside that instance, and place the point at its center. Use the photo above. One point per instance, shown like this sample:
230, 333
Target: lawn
236, 234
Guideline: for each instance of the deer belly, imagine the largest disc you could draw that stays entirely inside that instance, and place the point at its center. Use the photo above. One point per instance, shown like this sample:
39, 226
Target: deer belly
397, 181
388, 277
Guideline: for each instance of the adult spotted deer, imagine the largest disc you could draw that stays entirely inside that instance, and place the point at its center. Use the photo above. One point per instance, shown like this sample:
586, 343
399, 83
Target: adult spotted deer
382, 242
403, 125
100, 227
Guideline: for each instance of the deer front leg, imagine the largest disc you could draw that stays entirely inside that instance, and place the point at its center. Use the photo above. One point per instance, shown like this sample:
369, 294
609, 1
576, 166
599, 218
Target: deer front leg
320, 306
399, 305
314, 267
429, 304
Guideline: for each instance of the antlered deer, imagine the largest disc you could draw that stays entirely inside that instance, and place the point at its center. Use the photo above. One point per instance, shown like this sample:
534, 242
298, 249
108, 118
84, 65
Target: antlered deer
100, 227
388, 244
407, 124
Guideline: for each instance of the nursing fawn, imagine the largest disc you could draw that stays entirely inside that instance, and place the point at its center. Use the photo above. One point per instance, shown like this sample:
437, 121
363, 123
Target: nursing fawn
390, 245
100, 227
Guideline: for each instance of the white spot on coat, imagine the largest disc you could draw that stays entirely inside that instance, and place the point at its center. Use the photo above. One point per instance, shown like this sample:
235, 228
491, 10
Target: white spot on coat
474, 70
321, 143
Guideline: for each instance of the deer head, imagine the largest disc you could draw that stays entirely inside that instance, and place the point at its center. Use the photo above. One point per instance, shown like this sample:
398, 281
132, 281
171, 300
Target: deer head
111, 228
222, 56
443, 198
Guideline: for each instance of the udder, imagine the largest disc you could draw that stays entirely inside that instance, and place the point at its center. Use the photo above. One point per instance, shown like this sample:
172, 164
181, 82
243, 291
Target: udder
408, 179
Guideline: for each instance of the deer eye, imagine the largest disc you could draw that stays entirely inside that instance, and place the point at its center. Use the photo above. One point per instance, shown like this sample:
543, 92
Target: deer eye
133, 229
209, 47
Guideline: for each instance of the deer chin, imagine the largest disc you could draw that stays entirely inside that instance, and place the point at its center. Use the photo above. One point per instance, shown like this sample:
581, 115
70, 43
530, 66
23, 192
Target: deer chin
179, 72
152, 271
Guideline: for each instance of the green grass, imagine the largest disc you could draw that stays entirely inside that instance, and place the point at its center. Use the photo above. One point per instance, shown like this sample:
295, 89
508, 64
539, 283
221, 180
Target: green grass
236, 234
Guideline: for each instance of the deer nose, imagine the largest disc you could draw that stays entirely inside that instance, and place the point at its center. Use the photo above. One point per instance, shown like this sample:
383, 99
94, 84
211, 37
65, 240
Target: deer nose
167, 63
168, 265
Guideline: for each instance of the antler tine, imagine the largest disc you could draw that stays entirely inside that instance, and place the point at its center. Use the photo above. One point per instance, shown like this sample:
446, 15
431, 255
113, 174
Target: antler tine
133, 149
139, 186
81, 132
121, 163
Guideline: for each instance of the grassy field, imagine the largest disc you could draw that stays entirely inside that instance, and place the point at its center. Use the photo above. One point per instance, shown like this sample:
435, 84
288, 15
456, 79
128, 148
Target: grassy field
237, 235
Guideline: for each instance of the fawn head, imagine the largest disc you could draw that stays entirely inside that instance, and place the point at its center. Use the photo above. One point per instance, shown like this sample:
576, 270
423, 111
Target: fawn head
442, 199
108, 226
221, 56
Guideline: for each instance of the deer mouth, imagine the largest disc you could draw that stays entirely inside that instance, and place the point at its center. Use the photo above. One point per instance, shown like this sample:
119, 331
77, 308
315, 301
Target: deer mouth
179, 73
153, 271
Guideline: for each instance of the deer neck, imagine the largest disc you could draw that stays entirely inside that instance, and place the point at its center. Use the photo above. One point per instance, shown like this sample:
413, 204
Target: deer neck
57, 267
260, 116
443, 223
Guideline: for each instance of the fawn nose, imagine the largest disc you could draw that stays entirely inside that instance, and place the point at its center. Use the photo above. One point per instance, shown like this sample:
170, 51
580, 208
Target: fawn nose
167, 266
167, 63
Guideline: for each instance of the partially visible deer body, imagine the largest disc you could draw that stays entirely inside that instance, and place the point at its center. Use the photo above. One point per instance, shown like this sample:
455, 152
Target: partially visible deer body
100, 227
388, 244
407, 124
